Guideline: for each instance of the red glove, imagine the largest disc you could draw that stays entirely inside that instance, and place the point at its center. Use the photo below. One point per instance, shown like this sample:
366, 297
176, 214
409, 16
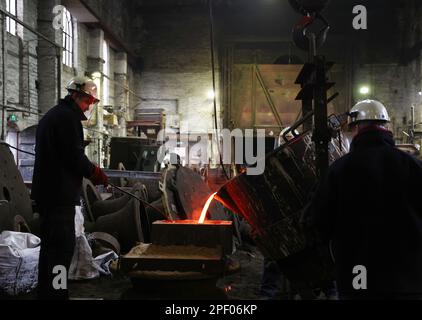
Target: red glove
99, 177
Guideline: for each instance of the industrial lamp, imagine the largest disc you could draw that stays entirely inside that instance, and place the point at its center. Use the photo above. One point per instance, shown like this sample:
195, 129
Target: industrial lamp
211, 94
364, 90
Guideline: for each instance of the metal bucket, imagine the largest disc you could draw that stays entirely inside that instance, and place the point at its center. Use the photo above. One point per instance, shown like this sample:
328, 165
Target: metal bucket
273, 203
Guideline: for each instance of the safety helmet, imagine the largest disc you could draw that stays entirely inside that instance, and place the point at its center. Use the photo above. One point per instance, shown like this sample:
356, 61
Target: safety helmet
368, 110
84, 85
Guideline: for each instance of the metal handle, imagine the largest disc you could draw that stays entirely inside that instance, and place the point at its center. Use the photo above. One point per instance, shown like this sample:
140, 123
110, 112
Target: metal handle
137, 198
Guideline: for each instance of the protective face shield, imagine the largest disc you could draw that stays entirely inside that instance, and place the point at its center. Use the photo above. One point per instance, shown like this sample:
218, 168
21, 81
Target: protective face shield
88, 94
88, 114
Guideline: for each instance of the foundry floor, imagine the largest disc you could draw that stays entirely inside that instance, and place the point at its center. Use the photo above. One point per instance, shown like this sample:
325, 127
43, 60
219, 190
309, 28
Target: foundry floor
242, 285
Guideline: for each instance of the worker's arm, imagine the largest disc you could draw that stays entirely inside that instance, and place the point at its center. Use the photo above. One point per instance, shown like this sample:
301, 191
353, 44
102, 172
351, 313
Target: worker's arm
72, 151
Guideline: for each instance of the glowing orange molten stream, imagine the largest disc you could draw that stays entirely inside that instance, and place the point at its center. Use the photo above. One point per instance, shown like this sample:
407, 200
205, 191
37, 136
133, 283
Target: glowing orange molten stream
205, 210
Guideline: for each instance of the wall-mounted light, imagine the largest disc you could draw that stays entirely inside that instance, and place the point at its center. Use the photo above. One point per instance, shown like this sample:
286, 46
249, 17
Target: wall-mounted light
211, 94
364, 90
13, 118
420, 93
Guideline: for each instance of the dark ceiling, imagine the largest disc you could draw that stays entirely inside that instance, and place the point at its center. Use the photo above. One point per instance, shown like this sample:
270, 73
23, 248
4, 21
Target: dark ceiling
266, 19
276, 17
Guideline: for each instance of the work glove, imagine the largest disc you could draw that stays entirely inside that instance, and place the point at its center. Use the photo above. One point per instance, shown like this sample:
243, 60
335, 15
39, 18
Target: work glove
99, 177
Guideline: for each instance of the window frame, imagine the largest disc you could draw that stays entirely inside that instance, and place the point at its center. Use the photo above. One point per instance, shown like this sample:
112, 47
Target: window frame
68, 38
11, 25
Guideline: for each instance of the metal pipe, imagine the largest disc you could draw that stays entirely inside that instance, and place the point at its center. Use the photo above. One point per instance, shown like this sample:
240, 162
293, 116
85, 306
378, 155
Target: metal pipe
144, 175
137, 198
27, 26
17, 149
268, 97
334, 96
412, 109
39, 113
298, 124
59, 74
126, 88
3, 109
17, 145
10, 108
412, 130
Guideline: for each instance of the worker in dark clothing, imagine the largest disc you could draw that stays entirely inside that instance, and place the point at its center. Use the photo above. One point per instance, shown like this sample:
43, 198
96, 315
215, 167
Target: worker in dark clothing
60, 166
369, 208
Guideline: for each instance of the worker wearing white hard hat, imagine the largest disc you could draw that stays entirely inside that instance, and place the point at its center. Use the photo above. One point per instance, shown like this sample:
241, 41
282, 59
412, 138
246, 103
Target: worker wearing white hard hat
367, 205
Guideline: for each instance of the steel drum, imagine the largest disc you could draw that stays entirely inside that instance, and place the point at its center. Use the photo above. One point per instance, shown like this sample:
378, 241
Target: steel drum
273, 204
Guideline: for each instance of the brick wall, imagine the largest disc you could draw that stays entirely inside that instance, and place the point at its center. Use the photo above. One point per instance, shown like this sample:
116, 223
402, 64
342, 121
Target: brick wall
177, 67
389, 84
21, 66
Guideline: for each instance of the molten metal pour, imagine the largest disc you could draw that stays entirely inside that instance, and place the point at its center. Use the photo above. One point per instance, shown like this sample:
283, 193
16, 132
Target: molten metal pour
205, 209
197, 233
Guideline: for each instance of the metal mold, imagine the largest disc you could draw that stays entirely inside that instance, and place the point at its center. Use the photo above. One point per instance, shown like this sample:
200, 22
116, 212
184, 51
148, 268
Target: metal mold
152, 257
211, 234
13, 189
124, 224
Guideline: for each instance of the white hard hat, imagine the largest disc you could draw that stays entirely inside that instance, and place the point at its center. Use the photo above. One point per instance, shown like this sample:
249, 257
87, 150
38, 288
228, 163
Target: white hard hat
84, 85
368, 110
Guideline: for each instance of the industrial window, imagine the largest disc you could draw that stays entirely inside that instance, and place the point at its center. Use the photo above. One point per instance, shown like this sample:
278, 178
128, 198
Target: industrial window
11, 7
67, 39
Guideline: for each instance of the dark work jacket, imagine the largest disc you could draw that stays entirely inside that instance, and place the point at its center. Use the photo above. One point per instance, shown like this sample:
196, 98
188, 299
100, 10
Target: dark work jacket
369, 205
60, 162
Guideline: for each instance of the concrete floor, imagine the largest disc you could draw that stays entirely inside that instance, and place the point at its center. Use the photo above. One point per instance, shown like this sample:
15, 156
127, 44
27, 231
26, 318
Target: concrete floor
242, 285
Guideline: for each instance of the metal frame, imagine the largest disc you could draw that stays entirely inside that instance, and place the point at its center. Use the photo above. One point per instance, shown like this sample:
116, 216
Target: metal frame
133, 174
